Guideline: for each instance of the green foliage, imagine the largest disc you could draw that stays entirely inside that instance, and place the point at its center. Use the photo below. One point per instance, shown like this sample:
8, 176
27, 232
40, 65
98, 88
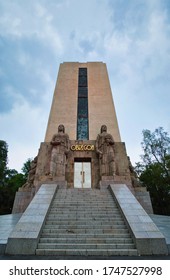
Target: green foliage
26, 167
10, 181
7, 193
3, 160
156, 147
158, 184
154, 170
14, 180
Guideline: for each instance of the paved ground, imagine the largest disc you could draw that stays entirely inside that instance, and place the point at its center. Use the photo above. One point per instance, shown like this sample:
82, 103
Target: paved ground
33, 257
7, 223
163, 223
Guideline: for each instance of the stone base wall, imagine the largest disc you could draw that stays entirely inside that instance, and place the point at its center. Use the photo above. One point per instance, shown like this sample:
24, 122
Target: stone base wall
144, 199
22, 200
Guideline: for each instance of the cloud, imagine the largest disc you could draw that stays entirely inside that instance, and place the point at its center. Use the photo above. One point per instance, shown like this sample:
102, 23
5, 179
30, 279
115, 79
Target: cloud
132, 37
30, 20
86, 46
138, 57
23, 129
141, 58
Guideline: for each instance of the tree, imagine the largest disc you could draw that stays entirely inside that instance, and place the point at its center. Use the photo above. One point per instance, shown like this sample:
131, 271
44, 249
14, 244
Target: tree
154, 170
13, 182
156, 147
10, 181
3, 160
26, 167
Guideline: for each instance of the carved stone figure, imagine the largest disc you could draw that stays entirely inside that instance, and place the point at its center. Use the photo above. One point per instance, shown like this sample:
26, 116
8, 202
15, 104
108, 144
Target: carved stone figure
60, 148
135, 181
31, 175
105, 150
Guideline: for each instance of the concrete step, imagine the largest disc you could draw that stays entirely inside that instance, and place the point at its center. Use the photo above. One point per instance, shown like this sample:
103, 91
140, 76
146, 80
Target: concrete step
84, 203
78, 236
55, 217
87, 226
87, 252
85, 207
89, 200
47, 246
78, 240
87, 230
78, 199
96, 206
54, 221
96, 216
84, 216
84, 211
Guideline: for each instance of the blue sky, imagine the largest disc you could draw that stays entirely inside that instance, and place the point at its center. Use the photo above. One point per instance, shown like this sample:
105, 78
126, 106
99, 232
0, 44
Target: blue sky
131, 36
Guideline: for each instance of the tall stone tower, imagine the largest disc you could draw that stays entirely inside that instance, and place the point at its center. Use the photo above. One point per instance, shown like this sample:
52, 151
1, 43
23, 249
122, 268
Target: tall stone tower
83, 102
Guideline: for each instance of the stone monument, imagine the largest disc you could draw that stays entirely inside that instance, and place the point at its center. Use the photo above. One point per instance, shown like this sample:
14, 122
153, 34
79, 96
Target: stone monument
78, 175
60, 149
105, 150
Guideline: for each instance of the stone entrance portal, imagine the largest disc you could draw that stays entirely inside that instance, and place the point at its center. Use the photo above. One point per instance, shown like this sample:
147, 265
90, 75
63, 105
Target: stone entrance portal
82, 175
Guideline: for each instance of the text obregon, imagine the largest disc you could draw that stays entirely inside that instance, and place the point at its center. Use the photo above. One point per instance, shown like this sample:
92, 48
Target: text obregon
83, 147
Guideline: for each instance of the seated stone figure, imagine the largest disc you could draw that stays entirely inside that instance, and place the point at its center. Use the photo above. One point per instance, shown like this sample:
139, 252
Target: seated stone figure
105, 150
135, 181
60, 148
31, 175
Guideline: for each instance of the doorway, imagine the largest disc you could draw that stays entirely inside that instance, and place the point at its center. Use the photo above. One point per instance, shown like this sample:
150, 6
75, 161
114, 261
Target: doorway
82, 175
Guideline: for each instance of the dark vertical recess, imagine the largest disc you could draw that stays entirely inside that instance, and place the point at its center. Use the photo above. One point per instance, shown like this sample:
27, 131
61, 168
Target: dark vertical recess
82, 112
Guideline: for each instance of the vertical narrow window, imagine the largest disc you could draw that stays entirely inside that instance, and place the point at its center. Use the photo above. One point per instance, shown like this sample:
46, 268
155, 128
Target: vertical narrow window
82, 110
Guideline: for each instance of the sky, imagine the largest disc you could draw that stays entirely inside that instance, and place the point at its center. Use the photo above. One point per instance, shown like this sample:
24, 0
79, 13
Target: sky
131, 36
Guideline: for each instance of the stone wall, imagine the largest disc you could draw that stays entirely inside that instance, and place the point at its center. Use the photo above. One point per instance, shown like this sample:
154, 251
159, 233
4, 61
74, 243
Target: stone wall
22, 200
143, 196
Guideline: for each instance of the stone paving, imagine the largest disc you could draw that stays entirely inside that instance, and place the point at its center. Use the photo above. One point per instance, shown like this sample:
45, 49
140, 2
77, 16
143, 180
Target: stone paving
163, 223
7, 223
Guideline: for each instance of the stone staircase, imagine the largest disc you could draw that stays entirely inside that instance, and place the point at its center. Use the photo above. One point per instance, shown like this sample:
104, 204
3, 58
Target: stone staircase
85, 222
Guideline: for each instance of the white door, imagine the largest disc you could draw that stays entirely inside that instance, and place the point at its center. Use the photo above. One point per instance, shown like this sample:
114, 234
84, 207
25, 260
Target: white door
82, 175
